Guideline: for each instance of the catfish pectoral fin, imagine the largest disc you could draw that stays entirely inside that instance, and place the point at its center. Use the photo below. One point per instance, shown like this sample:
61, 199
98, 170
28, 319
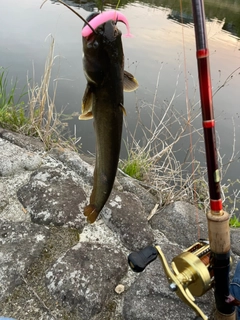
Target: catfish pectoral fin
91, 213
86, 116
87, 101
129, 82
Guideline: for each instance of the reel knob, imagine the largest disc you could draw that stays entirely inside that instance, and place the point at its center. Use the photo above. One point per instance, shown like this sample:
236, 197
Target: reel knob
139, 260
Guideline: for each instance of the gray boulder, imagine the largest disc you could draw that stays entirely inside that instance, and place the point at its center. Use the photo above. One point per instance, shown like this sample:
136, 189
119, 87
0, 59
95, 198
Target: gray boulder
26, 142
74, 162
14, 159
125, 216
20, 245
181, 222
53, 197
133, 186
84, 278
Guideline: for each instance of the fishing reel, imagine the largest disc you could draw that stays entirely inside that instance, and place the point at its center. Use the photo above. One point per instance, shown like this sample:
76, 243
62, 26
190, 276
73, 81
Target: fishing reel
192, 274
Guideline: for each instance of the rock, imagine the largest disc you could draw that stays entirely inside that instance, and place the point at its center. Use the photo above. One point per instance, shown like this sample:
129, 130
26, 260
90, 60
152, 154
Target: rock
181, 222
4, 200
85, 277
73, 161
133, 186
10, 207
235, 240
14, 159
32, 300
21, 140
81, 164
124, 215
20, 245
53, 197
79, 264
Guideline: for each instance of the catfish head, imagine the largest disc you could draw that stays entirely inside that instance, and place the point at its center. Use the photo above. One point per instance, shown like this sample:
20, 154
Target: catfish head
103, 53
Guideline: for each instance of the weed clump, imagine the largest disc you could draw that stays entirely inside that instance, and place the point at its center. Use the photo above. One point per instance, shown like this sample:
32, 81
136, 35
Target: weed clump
234, 222
136, 166
12, 113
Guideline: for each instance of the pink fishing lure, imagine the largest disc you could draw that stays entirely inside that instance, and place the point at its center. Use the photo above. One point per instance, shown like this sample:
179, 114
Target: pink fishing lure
104, 17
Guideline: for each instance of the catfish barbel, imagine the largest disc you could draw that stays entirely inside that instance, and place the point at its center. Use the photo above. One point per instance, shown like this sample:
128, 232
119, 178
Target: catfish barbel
103, 64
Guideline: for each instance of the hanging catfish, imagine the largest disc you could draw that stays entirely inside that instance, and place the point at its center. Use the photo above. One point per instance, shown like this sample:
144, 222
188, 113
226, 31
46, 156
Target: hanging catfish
103, 63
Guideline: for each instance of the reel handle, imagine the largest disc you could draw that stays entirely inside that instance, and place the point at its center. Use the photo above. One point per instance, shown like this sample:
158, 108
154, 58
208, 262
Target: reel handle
140, 259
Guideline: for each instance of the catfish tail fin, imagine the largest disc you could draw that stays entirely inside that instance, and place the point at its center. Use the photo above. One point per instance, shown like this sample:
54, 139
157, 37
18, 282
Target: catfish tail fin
91, 213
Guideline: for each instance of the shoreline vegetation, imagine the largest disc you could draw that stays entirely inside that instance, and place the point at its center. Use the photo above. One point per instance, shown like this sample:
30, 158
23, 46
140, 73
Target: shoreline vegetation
152, 161
38, 117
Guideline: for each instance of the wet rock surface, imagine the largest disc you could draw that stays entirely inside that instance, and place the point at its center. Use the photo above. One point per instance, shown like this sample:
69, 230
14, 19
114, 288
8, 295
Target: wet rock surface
53, 265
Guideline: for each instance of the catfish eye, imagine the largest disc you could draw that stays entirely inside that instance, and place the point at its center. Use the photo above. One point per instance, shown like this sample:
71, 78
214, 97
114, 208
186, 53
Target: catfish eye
95, 44
100, 30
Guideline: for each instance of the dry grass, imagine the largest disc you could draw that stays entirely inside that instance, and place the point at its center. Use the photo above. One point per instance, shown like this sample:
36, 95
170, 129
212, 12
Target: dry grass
160, 170
39, 117
44, 120
162, 129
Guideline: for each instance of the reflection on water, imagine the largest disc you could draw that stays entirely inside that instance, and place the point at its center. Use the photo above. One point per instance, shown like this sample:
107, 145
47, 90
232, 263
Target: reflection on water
228, 10
86, 5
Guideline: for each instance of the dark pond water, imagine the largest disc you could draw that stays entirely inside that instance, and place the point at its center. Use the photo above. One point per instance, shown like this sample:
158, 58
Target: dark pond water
161, 55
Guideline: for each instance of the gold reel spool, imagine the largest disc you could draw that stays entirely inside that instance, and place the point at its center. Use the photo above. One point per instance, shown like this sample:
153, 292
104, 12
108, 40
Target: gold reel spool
192, 273
195, 269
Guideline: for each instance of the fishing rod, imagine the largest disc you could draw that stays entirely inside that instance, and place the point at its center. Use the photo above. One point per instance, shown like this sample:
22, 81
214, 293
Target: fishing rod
218, 219
205, 264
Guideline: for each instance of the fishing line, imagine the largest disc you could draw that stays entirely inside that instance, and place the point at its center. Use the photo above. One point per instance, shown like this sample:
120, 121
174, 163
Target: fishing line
73, 12
189, 122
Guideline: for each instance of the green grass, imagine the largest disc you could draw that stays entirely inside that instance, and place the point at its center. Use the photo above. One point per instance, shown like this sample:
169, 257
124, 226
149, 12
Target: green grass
136, 165
12, 113
234, 222
6, 98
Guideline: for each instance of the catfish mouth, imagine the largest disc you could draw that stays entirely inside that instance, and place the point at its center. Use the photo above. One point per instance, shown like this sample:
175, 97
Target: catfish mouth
106, 33
111, 32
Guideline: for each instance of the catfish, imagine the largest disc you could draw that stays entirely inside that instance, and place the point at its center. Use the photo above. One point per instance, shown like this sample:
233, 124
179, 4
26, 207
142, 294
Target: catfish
103, 65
